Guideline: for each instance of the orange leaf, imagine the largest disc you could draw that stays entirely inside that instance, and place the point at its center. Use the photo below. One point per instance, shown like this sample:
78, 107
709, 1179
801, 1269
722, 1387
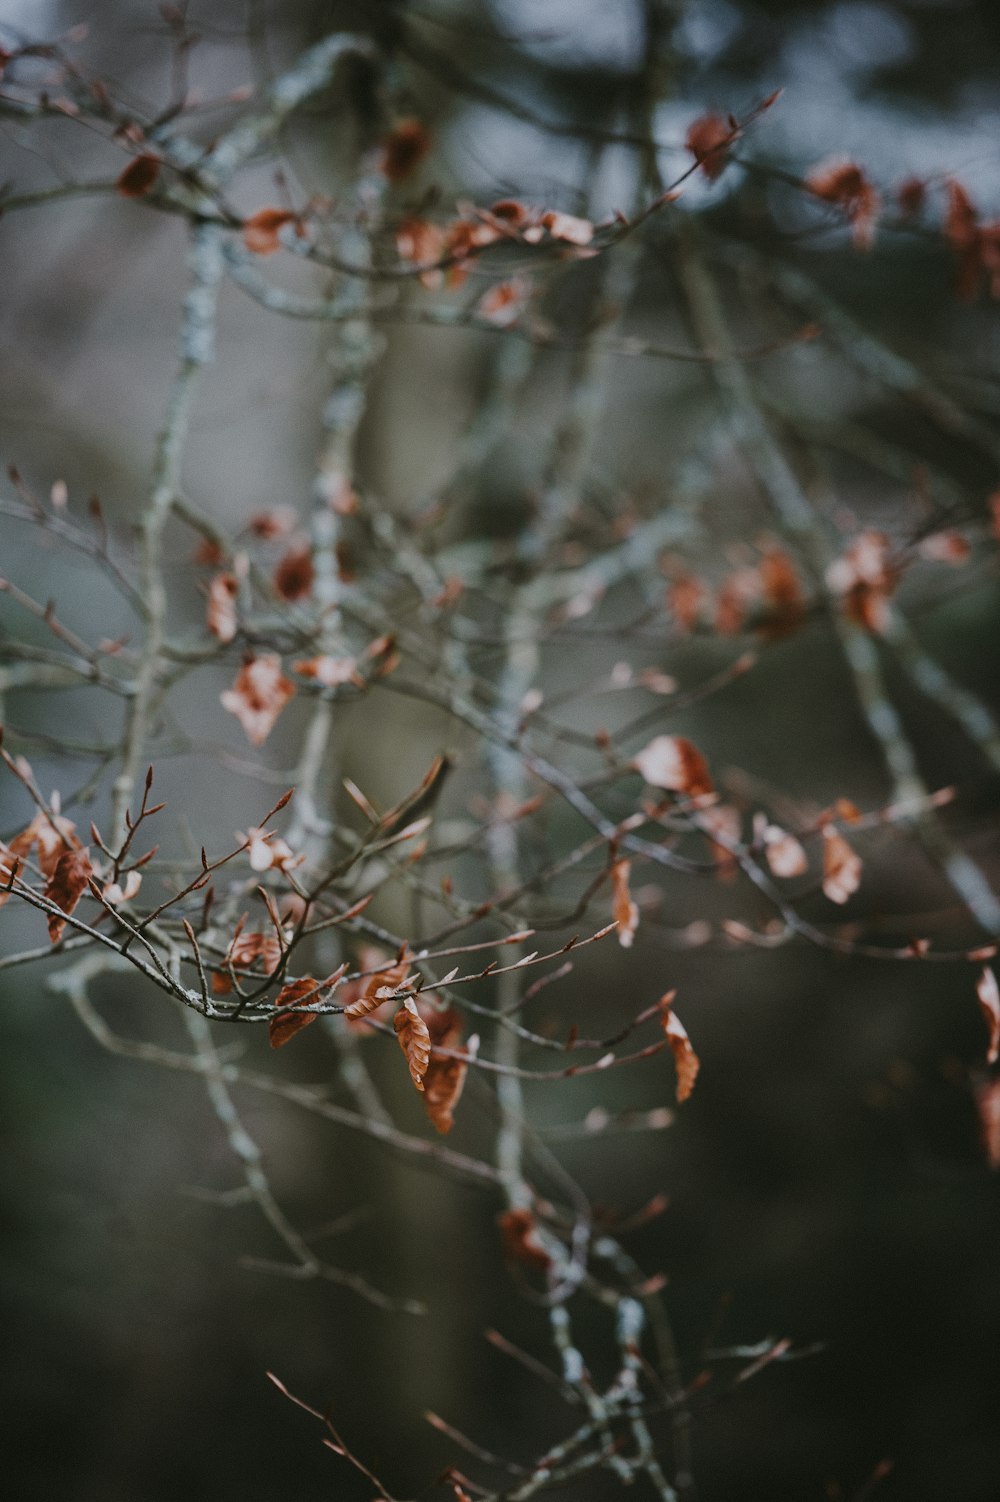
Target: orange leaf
989, 1004
445, 1077
414, 1040
672, 762
503, 304
281, 1030
624, 910
258, 696
685, 1059
568, 227
261, 232
841, 867
220, 613
846, 186
66, 886
521, 1242
784, 854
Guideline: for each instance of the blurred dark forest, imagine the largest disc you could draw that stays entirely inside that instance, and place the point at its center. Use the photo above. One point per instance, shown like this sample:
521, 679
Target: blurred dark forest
826, 1181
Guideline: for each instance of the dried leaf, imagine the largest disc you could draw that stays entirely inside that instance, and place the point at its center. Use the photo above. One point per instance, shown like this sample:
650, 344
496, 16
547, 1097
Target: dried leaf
138, 177
568, 227
846, 186
220, 613
988, 1107
293, 577
403, 149
414, 1040
783, 593
503, 304
686, 1060
841, 867
331, 672
445, 1077
624, 910
262, 231
521, 1241
258, 696
280, 1030
784, 854
66, 885
391, 979
685, 596
989, 1003
864, 578
707, 139
275, 522
673, 762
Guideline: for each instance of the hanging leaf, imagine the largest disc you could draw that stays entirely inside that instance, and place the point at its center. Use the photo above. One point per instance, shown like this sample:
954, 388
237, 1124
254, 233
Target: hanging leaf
378, 988
624, 909
841, 867
444, 1080
281, 1029
686, 1060
989, 1004
674, 763
220, 613
707, 139
414, 1040
66, 885
138, 177
521, 1241
258, 696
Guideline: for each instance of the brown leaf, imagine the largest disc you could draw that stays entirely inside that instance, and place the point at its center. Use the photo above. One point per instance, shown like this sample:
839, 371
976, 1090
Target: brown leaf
414, 1040
138, 177
686, 1060
521, 1242
685, 596
445, 1077
258, 696
783, 593
846, 186
864, 577
280, 1030
293, 577
388, 980
274, 522
624, 910
261, 232
841, 867
707, 139
66, 886
673, 762
988, 1107
220, 613
989, 1004
403, 149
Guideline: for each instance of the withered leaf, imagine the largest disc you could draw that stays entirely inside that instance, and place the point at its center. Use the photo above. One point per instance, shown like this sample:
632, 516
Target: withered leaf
262, 231
624, 909
258, 695
66, 885
414, 1040
403, 149
707, 140
989, 1003
521, 1241
282, 1029
138, 177
385, 981
674, 763
220, 613
686, 1060
841, 867
293, 576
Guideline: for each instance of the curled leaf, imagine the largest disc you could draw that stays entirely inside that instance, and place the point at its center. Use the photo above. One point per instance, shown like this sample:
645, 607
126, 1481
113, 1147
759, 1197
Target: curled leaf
414, 1040
379, 987
686, 1060
625, 910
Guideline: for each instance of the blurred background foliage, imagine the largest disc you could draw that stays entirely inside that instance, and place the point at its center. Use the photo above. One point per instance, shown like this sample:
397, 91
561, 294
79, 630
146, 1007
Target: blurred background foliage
826, 1180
